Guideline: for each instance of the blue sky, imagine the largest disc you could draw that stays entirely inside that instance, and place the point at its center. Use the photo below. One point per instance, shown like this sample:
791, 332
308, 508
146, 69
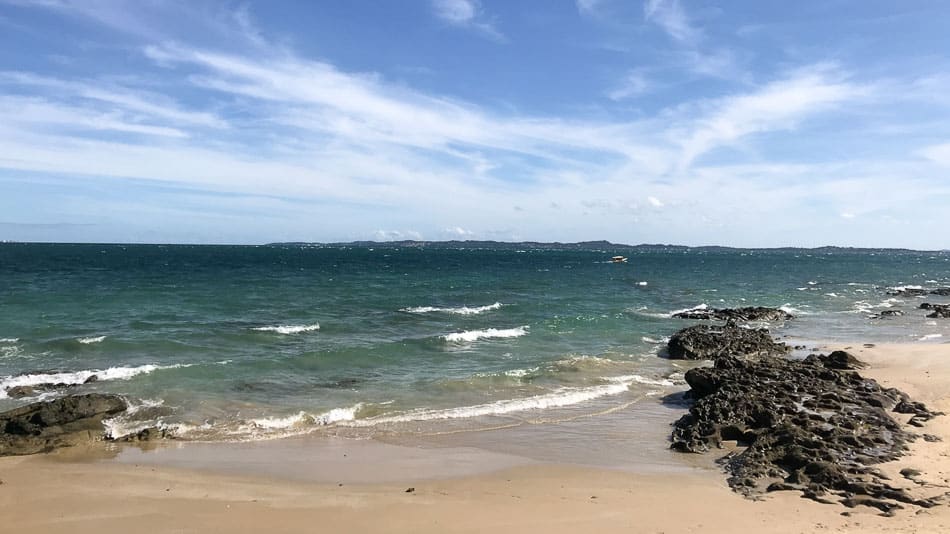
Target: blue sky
747, 123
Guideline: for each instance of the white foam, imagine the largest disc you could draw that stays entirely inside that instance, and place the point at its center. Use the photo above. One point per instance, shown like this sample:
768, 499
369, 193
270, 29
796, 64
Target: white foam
462, 310
833, 295
930, 336
489, 333
305, 419
629, 379
654, 341
521, 373
904, 288
700, 307
791, 310
9, 340
288, 329
80, 377
559, 398
91, 340
641, 283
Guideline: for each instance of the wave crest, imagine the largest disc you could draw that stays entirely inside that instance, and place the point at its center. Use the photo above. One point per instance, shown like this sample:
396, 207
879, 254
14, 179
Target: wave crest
488, 333
462, 310
289, 329
80, 377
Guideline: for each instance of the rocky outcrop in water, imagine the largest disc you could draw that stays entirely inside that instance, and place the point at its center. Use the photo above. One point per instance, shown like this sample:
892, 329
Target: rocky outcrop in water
748, 313
918, 292
19, 392
47, 425
708, 342
887, 313
809, 425
938, 311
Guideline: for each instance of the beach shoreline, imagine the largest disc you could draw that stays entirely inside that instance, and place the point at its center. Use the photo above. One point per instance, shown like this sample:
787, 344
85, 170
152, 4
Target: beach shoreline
455, 488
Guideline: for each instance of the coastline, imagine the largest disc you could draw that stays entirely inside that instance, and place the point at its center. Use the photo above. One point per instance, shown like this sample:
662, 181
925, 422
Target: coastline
457, 488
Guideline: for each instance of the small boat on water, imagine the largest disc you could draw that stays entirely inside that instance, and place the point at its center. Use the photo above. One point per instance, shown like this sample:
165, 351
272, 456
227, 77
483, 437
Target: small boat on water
618, 259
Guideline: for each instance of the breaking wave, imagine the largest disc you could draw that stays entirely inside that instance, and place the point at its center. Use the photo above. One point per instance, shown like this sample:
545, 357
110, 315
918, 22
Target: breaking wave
462, 310
80, 377
489, 333
288, 329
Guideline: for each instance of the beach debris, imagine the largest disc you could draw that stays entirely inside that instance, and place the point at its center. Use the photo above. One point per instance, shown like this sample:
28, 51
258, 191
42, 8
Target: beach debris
805, 425
47, 425
410, 490
748, 313
707, 342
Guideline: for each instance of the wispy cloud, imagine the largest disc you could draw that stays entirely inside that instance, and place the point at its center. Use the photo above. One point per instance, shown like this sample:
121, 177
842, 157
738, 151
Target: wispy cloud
670, 16
467, 14
779, 105
633, 85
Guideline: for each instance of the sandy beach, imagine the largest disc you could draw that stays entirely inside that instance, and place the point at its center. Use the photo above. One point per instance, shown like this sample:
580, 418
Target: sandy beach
455, 489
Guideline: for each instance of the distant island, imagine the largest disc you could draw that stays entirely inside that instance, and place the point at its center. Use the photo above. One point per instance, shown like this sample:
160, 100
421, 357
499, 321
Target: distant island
596, 246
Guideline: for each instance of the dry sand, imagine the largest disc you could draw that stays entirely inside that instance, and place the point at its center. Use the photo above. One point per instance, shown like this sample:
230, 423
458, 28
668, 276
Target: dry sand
55, 494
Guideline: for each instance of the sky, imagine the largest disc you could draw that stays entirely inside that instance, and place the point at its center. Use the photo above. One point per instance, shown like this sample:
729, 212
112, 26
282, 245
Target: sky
745, 123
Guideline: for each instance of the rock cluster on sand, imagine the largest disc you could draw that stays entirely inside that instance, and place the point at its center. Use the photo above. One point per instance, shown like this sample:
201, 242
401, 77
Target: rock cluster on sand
811, 425
749, 313
707, 342
44, 426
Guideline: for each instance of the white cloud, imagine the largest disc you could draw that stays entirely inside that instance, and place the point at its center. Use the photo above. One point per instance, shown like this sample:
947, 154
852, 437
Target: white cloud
669, 15
655, 202
466, 14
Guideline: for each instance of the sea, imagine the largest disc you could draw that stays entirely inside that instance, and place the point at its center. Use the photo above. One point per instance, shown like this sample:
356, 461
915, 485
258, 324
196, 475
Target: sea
249, 343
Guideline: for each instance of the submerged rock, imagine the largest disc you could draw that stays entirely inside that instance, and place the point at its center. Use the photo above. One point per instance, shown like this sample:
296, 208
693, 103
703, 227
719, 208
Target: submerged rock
938, 311
887, 313
44, 426
807, 425
707, 342
748, 313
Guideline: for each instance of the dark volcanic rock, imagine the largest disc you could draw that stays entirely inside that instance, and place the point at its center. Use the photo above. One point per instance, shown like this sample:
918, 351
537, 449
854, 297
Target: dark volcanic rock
909, 292
939, 311
707, 342
887, 313
916, 292
806, 425
44, 426
749, 313
18, 392
841, 360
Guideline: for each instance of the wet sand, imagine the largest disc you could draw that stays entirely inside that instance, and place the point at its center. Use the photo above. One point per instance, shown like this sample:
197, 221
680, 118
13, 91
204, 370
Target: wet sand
459, 484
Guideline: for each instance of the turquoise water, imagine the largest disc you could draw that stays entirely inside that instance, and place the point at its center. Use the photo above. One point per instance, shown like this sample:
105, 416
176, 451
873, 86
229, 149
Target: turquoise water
244, 342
